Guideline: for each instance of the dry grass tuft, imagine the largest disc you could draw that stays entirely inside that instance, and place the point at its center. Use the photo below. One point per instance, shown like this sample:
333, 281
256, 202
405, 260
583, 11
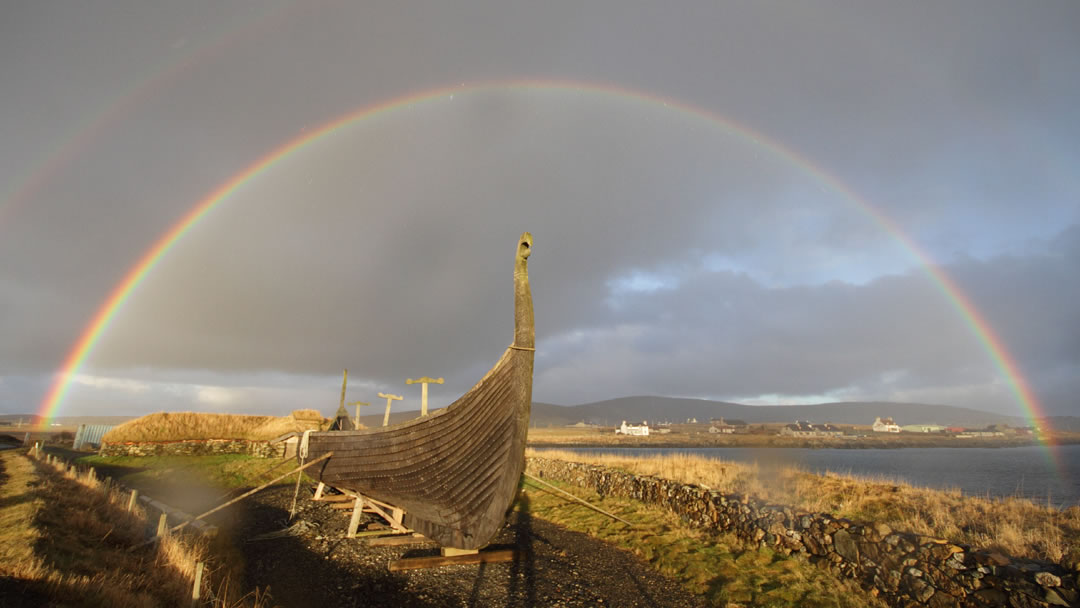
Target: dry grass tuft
717, 566
166, 426
64, 541
1015, 526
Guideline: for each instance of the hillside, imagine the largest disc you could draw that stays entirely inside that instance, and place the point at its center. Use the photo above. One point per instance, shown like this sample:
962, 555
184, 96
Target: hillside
673, 409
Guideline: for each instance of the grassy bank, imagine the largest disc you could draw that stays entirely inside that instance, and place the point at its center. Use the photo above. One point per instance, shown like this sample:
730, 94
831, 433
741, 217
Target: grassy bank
1013, 525
64, 541
719, 567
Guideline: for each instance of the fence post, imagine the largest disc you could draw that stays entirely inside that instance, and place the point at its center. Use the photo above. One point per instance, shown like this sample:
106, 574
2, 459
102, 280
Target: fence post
162, 525
196, 591
131, 501
108, 485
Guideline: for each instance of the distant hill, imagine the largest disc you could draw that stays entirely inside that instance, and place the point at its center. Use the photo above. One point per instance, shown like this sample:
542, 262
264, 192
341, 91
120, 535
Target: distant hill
659, 409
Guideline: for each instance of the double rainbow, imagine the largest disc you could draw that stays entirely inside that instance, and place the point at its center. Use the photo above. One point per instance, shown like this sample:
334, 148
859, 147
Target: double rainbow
105, 315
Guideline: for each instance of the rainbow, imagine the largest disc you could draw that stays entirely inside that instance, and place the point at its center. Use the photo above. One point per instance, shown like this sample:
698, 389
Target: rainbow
972, 318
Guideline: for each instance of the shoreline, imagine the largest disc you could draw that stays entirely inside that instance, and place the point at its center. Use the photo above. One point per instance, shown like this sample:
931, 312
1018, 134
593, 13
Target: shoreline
813, 444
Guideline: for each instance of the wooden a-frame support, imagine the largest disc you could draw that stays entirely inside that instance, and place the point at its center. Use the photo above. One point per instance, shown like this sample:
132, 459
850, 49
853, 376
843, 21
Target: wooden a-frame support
361, 504
396, 535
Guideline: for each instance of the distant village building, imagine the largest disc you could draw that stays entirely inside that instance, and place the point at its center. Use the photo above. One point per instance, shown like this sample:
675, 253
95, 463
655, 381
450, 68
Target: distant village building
719, 426
922, 428
807, 429
885, 425
955, 429
641, 429
691, 421
967, 434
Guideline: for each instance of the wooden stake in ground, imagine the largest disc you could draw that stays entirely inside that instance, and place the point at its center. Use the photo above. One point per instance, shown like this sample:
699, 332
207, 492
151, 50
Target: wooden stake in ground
389, 399
196, 590
423, 382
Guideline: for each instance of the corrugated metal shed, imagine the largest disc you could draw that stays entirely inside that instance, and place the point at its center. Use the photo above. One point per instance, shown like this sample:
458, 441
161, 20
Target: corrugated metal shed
90, 435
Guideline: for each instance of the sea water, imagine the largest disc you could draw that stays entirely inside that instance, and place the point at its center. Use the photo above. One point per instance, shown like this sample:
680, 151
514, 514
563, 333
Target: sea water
1042, 474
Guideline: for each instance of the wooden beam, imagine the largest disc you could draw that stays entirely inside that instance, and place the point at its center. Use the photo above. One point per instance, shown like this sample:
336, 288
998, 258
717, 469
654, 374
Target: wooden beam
436, 561
389, 399
423, 391
572, 497
354, 521
250, 492
334, 498
397, 539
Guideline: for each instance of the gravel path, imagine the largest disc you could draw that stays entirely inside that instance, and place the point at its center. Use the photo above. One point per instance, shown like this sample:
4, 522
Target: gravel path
319, 567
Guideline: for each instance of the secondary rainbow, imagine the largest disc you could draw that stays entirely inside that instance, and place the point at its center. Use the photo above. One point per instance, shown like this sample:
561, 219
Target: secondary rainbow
972, 318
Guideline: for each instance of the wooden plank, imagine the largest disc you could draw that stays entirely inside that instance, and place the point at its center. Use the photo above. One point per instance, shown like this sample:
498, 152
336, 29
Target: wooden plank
383, 532
354, 521
398, 539
336, 498
437, 561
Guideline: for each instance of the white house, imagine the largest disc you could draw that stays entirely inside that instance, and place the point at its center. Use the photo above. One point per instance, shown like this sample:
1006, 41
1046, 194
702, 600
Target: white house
633, 429
885, 425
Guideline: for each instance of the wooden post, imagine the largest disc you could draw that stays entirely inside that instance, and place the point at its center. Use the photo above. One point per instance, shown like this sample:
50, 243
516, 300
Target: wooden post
423, 382
319, 491
354, 521
389, 399
163, 525
344, 380
131, 501
356, 422
108, 485
196, 591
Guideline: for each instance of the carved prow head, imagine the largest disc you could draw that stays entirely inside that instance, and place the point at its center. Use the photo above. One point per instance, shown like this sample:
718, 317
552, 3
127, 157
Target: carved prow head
524, 336
524, 246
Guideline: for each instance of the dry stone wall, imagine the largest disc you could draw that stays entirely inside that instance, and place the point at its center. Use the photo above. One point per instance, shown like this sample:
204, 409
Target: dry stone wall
194, 447
905, 569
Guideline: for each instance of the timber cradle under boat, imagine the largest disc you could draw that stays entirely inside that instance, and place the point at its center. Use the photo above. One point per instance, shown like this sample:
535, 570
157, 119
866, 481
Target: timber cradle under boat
456, 471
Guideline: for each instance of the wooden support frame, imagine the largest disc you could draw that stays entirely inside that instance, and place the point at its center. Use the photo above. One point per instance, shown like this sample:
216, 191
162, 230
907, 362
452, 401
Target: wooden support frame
363, 503
435, 561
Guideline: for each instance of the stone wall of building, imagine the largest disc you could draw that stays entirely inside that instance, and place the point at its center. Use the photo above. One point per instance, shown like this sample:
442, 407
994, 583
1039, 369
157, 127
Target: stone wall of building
194, 447
905, 569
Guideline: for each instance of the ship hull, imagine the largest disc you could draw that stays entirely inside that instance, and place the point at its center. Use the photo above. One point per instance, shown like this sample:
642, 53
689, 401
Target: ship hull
455, 472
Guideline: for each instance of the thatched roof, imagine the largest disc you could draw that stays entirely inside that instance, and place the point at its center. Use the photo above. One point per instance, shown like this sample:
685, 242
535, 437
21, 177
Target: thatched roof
176, 426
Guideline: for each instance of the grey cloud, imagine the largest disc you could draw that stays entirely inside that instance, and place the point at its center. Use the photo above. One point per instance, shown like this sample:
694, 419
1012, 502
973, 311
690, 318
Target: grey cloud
385, 248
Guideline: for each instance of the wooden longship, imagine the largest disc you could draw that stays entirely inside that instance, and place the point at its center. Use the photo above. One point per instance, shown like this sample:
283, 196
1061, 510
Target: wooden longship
455, 472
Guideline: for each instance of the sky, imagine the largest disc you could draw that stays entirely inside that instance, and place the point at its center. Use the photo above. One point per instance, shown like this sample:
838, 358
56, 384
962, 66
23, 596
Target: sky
736, 201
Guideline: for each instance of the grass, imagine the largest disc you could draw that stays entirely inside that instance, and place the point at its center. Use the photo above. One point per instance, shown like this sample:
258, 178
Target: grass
718, 567
64, 541
175, 426
1013, 525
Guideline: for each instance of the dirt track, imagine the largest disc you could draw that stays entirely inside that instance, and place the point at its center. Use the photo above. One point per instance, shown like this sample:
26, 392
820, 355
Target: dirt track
321, 568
